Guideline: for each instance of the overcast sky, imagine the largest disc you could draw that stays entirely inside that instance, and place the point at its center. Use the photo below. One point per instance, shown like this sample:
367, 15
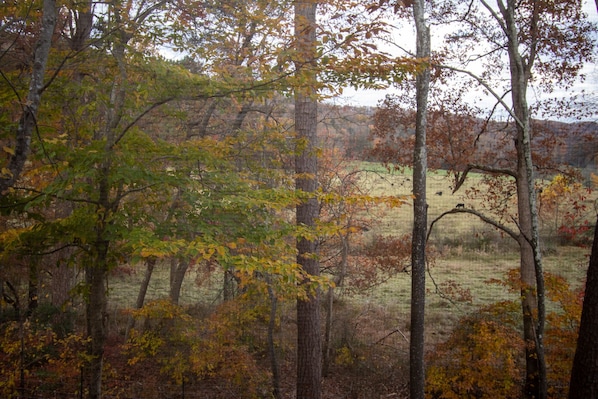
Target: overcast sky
590, 85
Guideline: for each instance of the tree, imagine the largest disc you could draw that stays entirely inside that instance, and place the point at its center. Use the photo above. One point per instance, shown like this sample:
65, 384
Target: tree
114, 179
417, 374
584, 375
354, 263
516, 34
309, 347
525, 47
99, 145
30, 108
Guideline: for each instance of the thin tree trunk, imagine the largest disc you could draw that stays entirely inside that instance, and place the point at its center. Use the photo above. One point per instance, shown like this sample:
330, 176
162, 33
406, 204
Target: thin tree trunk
338, 282
28, 120
202, 130
584, 375
150, 263
420, 213
532, 278
276, 393
98, 269
327, 332
309, 347
177, 275
228, 285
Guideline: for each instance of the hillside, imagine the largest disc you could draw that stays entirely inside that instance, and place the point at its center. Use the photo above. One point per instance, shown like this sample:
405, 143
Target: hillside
348, 128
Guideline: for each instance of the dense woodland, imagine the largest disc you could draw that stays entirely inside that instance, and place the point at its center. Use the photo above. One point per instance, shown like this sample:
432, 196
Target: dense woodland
187, 212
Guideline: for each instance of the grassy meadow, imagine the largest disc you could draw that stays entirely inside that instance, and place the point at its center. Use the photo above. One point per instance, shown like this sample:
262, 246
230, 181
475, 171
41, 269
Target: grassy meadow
466, 254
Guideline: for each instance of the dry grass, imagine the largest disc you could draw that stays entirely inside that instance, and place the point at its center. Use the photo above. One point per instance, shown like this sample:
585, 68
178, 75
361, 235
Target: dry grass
464, 251
373, 328
466, 254
199, 286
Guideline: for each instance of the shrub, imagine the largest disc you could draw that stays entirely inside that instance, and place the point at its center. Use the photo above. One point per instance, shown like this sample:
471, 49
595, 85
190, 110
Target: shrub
482, 358
185, 348
36, 361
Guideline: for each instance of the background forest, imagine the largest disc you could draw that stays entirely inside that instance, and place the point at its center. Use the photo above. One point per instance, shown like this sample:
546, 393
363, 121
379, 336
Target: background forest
150, 231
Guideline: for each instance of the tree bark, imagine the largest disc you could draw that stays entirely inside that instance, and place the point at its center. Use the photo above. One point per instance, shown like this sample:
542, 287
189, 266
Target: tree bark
150, 263
338, 282
105, 208
96, 317
532, 279
309, 351
420, 213
584, 375
274, 366
28, 120
177, 275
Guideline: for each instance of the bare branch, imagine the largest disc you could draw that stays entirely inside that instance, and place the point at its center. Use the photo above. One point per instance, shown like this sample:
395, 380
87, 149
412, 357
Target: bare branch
486, 86
482, 168
480, 215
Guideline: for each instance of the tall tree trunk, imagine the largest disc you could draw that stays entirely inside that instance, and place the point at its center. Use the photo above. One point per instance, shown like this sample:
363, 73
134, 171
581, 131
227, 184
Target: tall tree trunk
309, 351
532, 278
83, 17
105, 208
28, 120
64, 275
417, 373
584, 375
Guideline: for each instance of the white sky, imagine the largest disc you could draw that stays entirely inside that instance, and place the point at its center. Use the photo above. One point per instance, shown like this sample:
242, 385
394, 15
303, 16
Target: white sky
373, 97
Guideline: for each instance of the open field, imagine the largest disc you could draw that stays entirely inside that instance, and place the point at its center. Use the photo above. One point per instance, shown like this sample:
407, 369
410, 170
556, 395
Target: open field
370, 331
465, 252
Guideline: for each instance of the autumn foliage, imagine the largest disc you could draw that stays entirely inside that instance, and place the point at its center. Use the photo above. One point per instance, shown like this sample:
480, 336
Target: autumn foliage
482, 358
190, 349
163, 152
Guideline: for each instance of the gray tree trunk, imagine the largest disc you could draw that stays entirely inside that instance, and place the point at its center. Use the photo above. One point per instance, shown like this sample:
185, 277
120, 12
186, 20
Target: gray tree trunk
178, 269
28, 120
95, 275
420, 213
338, 282
532, 291
98, 269
150, 263
274, 366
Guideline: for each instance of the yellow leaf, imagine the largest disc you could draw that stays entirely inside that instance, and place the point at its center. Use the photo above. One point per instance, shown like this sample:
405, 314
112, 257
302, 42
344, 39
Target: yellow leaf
9, 150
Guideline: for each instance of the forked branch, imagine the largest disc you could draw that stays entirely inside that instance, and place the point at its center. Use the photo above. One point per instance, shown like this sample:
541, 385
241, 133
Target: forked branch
480, 215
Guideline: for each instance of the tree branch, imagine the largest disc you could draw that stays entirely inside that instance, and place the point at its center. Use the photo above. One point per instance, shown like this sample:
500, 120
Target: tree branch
480, 215
482, 168
486, 86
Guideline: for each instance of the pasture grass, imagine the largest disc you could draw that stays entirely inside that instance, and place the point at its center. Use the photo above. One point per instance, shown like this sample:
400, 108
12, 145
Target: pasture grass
466, 254
199, 286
